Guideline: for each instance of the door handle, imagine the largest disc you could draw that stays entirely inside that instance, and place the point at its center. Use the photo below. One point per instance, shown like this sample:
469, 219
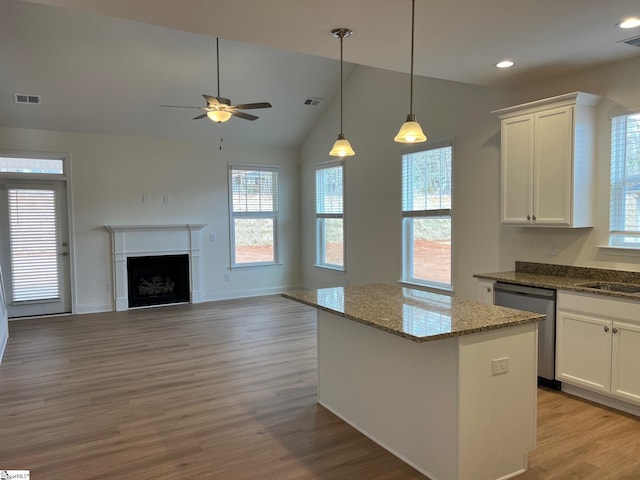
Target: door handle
64, 254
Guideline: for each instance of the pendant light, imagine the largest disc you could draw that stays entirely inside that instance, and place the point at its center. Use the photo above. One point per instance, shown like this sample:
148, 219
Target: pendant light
411, 131
342, 147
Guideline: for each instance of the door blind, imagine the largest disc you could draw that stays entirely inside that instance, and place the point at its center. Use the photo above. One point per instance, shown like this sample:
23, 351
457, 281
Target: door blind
33, 240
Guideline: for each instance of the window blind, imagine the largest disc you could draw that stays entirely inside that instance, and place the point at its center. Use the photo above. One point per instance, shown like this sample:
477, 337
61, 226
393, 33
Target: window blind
329, 191
34, 255
254, 190
624, 220
426, 182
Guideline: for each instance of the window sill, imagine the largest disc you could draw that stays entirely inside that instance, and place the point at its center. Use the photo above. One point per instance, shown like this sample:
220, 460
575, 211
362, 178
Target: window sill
329, 267
621, 251
427, 288
254, 265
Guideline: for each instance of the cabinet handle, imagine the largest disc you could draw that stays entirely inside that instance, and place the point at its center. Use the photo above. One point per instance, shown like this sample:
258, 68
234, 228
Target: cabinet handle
528, 217
615, 330
606, 329
488, 289
534, 218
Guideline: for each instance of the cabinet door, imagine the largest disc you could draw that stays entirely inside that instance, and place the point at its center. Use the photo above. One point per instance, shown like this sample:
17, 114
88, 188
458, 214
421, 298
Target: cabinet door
625, 368
516, 169
583, 351
552, 167
485, 292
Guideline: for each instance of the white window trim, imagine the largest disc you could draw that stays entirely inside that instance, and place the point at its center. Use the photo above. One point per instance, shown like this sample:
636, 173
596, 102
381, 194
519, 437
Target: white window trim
320, 229
275, 215
617, 245
407, 277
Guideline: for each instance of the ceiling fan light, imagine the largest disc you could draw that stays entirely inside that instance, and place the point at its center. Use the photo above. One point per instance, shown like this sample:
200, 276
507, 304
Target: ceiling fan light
410, 132
219, 115
342, 148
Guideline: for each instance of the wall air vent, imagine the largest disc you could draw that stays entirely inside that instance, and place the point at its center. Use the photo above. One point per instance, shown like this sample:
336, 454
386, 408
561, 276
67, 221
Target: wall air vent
26, 99
633, 41
312, 101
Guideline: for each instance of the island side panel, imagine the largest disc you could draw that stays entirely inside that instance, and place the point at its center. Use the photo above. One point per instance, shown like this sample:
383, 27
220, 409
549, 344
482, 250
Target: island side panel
497, 412
401, 394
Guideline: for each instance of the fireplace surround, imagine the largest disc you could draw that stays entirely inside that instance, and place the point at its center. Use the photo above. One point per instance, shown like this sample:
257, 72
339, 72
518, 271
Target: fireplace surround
128, 241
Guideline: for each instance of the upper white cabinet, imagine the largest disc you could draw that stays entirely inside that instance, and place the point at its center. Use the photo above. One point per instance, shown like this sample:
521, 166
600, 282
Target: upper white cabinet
548, 161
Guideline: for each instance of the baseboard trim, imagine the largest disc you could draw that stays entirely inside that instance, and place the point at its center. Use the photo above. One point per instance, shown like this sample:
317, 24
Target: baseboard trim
259, 292
601, 399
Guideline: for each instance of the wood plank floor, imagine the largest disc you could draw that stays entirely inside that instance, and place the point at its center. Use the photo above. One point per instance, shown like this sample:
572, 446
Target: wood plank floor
227, 390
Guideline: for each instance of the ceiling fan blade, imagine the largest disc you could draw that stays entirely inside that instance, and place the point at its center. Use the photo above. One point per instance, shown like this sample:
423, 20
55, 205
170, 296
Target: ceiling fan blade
200, 116
246, 116
249, 106
211, 100
216, 100
181, 106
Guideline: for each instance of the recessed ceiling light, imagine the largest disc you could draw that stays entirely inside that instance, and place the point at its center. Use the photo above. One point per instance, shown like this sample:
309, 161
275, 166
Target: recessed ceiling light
631, 22
504, 64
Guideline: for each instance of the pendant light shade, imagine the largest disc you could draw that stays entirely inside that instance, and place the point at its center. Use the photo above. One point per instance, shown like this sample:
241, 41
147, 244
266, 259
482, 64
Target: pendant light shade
342, 147
411, 131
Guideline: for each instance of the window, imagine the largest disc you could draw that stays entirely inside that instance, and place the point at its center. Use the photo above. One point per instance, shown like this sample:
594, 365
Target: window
426, 217
254, 215
624, 220
49, 166
330, 216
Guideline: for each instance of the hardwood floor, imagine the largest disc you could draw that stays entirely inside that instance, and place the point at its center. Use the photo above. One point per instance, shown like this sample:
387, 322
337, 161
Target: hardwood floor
227, 390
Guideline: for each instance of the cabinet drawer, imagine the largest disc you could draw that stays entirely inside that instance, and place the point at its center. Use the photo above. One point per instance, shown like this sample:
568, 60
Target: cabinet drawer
618, 308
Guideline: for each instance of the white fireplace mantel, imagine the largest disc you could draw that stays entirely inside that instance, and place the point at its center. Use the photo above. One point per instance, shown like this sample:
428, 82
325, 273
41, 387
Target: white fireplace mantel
148, 240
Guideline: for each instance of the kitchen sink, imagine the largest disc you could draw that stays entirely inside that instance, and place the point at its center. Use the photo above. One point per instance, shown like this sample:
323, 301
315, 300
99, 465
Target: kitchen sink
612, 287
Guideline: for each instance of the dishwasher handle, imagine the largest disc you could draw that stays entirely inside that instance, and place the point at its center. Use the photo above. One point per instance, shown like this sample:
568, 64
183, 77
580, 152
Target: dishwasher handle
525, 291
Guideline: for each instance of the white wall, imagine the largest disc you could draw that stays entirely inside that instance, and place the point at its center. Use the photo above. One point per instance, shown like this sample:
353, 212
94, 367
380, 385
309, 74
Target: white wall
376, 103
109, 175
618, 84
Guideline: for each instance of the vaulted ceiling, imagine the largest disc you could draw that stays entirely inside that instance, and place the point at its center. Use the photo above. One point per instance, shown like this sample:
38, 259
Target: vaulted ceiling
106, 66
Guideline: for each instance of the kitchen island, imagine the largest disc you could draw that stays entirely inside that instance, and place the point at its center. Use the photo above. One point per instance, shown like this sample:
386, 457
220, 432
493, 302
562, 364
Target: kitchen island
447, 385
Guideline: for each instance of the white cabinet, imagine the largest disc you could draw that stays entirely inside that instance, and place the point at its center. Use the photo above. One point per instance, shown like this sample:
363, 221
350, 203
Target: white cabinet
548, 161
485, 291
598, 345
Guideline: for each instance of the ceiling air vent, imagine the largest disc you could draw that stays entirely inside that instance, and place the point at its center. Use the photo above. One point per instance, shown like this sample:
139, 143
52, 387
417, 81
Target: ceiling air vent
27, 99
312, 101
633, 41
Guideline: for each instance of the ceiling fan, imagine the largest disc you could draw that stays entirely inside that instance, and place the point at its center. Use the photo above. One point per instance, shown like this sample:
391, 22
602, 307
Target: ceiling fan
219, 109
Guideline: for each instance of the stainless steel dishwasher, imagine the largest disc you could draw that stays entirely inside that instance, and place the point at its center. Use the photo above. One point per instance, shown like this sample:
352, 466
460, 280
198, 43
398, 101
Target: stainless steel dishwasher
537, 300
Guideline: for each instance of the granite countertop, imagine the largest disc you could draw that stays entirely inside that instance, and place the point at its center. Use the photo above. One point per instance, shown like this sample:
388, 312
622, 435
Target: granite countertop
565, 277
414, 314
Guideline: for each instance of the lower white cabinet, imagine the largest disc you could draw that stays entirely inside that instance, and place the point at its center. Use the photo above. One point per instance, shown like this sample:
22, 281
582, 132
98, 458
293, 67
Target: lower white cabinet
598, 345
485, 291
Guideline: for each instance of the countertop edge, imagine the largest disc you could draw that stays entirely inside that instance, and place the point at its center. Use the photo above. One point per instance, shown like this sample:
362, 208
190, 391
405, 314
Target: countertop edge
533, 318
555, 282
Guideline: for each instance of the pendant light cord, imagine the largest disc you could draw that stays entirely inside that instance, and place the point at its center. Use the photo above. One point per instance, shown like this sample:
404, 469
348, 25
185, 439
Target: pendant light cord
413, 14
341, 39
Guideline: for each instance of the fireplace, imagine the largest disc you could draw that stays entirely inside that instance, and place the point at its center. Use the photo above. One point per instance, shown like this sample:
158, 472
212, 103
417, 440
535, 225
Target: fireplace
163, 242
158, 280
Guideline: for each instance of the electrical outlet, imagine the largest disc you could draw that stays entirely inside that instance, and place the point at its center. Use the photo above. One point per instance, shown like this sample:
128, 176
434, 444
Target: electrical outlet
212, 237
227, 278
499, 366
554, 249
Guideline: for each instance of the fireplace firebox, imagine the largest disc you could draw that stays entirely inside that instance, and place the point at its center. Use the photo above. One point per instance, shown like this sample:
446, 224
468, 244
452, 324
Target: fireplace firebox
158, 280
